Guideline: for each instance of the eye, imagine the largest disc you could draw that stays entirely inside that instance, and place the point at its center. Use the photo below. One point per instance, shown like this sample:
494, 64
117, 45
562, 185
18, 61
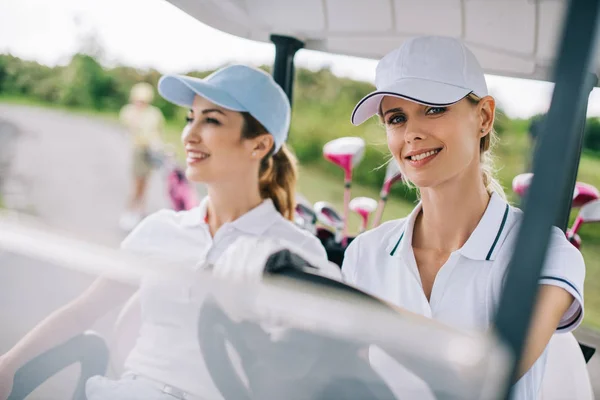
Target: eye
436, 110
189, 118
209, 120
396, 119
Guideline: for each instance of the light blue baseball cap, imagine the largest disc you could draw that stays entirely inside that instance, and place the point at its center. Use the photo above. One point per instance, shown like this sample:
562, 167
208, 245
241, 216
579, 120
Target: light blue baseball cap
237, 88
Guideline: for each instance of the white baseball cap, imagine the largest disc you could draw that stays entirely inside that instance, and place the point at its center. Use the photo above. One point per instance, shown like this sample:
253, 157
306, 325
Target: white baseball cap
431, 70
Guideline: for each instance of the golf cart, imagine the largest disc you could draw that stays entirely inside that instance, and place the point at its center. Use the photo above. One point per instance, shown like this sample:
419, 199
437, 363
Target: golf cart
320, 358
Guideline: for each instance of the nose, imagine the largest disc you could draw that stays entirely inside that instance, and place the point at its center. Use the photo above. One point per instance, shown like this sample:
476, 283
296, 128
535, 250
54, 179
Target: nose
190, 134
414, 131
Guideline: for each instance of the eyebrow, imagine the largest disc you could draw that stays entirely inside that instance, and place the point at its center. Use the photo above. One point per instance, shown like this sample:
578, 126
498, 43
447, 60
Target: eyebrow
208, 111
393, 110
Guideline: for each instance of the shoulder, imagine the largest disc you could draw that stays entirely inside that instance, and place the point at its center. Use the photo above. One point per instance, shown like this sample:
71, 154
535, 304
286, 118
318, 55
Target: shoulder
305, 244
288, 231
126, 110
367, 247
380, 236
155, 228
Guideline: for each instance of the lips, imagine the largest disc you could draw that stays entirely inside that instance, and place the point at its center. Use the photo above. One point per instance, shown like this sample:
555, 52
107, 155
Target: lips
194, 156
422, 155
419, 158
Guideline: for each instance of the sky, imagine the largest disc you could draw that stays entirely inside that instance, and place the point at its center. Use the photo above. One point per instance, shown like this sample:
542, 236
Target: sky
153, 33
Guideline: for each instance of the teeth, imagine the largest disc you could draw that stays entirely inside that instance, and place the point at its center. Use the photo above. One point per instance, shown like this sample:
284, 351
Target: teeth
193, 154
423, 155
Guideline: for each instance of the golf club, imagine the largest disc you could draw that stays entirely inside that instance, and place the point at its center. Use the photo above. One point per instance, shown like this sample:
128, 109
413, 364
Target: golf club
306, 217
588, 213
392, 175
328, 216
363, 206
345, 152
582, 194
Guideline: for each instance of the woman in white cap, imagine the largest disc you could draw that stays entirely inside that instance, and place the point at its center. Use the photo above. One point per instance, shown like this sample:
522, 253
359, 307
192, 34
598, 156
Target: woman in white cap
447, 260
234, 140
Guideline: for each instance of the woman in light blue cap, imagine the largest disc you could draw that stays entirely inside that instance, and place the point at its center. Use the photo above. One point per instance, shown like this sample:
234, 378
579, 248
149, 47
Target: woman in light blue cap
234, 138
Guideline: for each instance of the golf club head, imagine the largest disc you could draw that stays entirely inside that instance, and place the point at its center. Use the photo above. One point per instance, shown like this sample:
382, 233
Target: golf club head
328, 216
363, 206
521, 182
583, 194
392, 175
345, 152
306, 218
590, 212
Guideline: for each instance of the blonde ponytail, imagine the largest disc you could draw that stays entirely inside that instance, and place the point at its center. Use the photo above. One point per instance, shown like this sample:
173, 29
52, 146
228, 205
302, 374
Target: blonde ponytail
488, 171
277, 180
278, 172
486, 147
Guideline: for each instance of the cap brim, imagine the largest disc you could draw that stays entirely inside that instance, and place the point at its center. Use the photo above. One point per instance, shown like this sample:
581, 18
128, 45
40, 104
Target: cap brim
417, 90
181, 90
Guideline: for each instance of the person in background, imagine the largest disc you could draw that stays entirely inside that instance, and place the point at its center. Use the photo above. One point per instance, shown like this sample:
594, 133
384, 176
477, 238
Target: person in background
145, 123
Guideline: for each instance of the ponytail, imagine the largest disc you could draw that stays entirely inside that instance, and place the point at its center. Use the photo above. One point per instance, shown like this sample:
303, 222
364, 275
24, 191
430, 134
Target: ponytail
486, 147
277, 180
278, 172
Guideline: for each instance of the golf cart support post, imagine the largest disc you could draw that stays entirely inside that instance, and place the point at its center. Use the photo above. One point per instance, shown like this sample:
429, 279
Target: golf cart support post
283, 68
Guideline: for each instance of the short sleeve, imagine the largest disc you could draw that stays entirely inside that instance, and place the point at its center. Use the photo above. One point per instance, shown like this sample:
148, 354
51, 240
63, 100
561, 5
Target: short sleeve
144, 236
565, 268
350, 262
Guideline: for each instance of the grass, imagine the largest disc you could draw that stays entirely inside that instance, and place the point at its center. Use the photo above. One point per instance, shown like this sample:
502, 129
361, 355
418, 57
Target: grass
317, 182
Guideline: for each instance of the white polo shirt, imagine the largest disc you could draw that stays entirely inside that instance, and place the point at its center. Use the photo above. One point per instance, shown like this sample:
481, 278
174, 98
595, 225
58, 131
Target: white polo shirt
167, 348
467, 288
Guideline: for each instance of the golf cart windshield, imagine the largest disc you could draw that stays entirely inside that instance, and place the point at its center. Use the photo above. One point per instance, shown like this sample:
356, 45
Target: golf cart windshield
316, 351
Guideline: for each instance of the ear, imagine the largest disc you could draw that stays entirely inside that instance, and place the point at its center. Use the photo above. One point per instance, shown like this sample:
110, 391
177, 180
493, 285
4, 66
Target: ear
487, 114
262, 145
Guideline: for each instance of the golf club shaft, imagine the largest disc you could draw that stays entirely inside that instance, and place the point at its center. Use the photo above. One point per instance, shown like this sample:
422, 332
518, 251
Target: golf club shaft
347, 187
379, 212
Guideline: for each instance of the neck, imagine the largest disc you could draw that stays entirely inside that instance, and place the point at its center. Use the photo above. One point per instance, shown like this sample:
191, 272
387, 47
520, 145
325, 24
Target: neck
450, 213
229, 201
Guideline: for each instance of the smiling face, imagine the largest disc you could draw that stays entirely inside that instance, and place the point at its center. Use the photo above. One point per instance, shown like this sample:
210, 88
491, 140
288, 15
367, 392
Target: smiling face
433, 145
215, 149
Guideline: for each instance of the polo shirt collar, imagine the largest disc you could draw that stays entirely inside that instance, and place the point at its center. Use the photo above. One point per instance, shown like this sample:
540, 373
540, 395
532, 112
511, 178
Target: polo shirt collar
481, 245
254, 222
486, 238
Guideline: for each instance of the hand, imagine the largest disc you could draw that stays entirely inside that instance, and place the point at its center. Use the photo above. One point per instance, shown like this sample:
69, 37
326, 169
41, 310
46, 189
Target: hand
7, 374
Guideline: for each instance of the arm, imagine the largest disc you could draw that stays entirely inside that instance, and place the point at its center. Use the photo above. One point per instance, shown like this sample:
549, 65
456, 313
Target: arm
553, 302
102, 296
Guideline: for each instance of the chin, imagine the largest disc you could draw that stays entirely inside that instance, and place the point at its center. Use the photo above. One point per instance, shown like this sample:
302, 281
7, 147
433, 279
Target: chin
195, 176
424, 180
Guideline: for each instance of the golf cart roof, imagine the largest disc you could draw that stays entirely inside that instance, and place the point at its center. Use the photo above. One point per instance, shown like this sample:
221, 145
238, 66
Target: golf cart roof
514, 38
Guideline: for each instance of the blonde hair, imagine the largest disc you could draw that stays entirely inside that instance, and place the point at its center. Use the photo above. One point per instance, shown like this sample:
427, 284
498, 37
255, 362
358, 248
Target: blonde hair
278, 171
143, 92
486, 157
486, 147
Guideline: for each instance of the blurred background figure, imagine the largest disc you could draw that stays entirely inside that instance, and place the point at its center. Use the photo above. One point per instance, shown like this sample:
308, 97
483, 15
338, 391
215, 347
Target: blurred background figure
145, 124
